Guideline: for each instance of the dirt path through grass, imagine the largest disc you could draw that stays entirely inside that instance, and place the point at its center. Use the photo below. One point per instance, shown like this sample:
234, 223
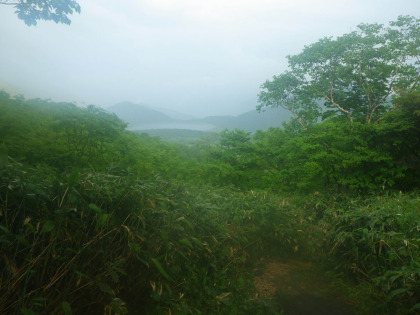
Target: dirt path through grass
300, 288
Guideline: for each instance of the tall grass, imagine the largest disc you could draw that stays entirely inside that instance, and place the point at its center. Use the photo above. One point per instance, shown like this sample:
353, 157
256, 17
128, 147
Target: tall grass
87, 242
374, 240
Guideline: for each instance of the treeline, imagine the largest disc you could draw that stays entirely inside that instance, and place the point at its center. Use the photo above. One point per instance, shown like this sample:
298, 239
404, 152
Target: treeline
334, 154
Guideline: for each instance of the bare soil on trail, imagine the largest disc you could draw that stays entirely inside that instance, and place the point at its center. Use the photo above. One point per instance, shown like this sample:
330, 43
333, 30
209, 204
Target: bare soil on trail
299, 288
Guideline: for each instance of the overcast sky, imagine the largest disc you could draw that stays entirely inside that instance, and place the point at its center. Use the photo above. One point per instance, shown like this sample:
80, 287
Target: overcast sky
198, 57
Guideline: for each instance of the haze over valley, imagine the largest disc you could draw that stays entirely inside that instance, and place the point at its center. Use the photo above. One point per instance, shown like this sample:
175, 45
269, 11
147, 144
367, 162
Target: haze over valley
141, 117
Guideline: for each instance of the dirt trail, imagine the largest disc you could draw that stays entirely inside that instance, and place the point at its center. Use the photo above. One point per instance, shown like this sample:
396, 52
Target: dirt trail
298, 288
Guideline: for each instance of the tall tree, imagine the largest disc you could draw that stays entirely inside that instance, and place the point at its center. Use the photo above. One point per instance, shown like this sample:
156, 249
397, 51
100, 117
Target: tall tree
354, 75
31, 11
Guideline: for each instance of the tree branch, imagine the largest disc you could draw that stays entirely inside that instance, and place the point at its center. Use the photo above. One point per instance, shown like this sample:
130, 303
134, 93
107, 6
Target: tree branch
364, 88
331, 100
395, 108
300, 121
385, 96
412, 87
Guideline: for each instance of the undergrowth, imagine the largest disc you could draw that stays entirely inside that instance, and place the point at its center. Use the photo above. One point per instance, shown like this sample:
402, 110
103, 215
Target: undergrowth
91, 242
373, 243
88, 227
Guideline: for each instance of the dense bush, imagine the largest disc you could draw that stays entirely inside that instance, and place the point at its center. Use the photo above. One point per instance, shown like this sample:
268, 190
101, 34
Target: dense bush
373, 239
106, 241
96, 219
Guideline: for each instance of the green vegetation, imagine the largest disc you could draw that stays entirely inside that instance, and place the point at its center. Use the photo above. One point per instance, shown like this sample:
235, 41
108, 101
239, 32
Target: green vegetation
96, 219
100, 241
185, 136
353, 75
48, 10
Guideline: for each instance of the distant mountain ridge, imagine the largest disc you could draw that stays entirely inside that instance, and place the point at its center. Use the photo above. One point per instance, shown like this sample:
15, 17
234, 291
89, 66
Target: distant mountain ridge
140, 117
138, 114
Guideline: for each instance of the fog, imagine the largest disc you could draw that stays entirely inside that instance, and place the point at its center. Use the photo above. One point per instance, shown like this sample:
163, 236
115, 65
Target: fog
197, 57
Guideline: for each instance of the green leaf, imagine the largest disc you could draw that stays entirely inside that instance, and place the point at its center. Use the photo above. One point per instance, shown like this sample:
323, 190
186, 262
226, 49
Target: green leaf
81, 274
66, 308
23, 241
26, 311
164, 236
136, 248
3, 156
197, 241
7, 242
365, 233
415, 307
105, 288
120, 270
95, 208
48, 226
186, 243
73, 178
396, 292
115, 277
39, 301
393, 278
161, 270
64, 211
30, 226
118, 306
101, 220
182, 254
4, 229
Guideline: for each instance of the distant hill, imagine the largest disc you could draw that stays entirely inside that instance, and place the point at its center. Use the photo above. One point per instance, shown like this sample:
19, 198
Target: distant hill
137, 114
143, 118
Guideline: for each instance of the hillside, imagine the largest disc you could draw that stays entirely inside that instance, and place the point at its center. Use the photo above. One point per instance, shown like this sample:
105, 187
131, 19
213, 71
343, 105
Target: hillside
135, 114
97, 219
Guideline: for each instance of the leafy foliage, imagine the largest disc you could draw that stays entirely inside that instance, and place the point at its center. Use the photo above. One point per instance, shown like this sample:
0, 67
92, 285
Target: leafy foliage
113, 241
379, 240
49, 10
354, 74
334, 154
65, 136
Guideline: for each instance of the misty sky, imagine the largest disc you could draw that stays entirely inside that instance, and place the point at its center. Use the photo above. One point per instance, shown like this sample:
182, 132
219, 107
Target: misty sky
199, 57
